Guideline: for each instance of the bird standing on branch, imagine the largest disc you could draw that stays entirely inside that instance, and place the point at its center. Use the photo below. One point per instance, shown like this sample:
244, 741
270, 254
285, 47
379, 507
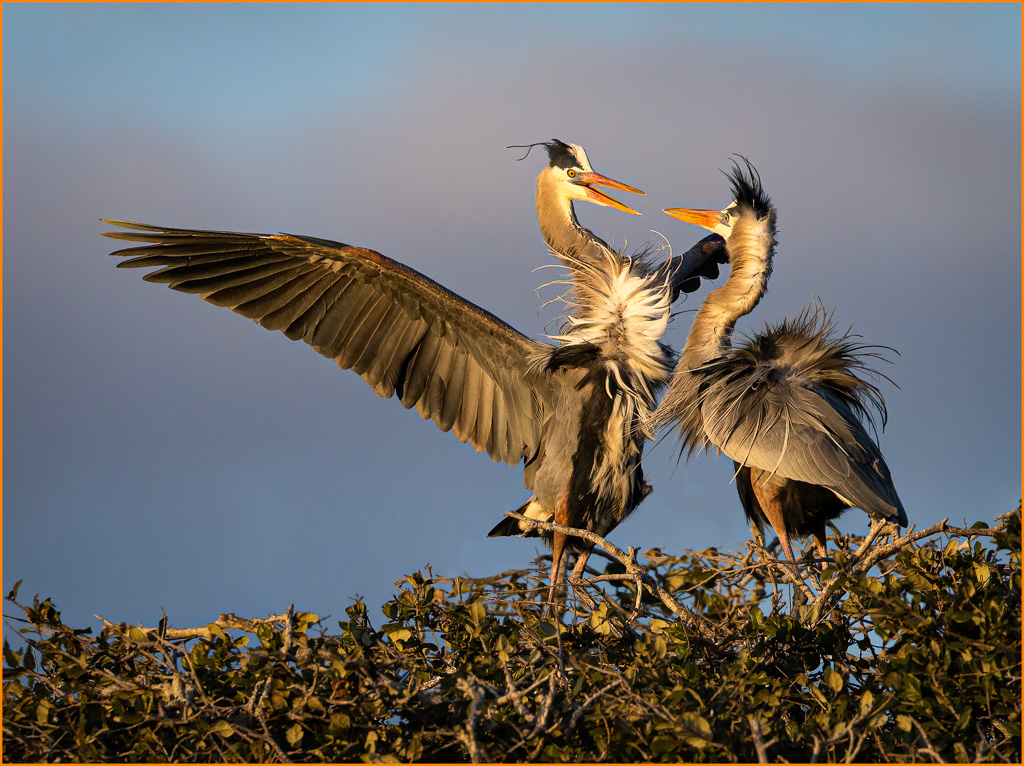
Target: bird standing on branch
619, 307
787, 405
566, 410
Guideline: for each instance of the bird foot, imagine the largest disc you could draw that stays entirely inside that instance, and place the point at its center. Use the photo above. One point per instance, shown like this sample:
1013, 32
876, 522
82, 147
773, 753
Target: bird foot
579, 589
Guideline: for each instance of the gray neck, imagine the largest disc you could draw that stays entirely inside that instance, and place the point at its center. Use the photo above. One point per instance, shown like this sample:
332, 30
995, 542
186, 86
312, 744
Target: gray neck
750, 248
574, 244
586, 255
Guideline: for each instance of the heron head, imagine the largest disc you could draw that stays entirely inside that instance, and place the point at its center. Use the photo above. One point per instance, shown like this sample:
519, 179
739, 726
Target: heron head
569, 168
719, 221
749, 199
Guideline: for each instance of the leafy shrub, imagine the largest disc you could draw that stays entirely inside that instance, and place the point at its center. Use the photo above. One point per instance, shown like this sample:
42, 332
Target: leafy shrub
912, 657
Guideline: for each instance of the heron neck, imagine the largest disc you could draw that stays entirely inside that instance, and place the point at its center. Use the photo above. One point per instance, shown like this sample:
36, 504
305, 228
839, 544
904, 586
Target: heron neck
750, 259
572, 243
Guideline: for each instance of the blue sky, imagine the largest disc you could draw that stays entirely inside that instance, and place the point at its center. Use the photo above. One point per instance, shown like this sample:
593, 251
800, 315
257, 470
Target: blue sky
161, 452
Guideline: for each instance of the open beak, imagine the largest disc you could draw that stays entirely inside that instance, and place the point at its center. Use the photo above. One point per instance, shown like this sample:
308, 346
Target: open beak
707, 219
590, 179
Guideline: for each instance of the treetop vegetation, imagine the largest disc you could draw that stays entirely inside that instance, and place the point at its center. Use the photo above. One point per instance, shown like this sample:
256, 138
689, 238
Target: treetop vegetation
901, 649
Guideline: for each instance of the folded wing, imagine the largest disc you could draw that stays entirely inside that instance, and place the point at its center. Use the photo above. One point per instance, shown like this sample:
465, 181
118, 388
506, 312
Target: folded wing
782, 425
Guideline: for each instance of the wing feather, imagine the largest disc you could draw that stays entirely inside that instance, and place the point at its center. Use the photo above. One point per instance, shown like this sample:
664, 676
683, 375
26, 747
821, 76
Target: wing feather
788, 403
452, 403
484, 434
470, 401
386, 368
399, 330
499, 428
355, 343
299, 282
420, 370
341, 309
439, 385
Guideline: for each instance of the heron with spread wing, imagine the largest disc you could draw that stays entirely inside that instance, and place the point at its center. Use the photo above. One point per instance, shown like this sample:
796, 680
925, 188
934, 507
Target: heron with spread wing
568, 411
619, 307
788, 405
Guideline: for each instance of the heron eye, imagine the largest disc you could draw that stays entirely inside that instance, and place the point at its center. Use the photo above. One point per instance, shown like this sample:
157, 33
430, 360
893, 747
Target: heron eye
571, 173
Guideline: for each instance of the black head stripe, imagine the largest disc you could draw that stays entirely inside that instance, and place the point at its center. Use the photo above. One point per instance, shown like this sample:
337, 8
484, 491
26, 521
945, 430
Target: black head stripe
561, 155
747, 189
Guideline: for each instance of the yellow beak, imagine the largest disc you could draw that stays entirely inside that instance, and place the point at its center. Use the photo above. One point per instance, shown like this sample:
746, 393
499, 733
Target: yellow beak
707, 219
591, 179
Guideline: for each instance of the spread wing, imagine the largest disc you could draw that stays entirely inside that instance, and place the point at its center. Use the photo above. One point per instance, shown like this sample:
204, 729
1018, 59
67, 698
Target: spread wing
400, 331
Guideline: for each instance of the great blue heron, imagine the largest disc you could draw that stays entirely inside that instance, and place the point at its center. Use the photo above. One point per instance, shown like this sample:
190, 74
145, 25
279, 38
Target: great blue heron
787, 406
566, 410
606, 285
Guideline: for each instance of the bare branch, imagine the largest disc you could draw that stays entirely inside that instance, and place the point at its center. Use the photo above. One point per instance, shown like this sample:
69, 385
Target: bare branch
226, 621
758, 737
863, 559
476, 695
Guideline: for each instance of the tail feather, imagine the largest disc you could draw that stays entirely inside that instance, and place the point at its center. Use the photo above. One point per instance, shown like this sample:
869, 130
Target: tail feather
509, 527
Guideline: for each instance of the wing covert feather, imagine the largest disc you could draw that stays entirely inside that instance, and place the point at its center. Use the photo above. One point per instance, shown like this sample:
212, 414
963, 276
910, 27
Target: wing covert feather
826, 444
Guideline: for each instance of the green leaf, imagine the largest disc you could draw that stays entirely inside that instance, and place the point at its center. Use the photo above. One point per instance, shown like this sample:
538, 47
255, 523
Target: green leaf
222, 729
965, 718
477, 612
400, 635
43, 711
1009, 728
867, 699
662, 745
695, 729
904, 722
315, 705
833, 680
294, 734
13, 594
655, 625
11, 657
340, 723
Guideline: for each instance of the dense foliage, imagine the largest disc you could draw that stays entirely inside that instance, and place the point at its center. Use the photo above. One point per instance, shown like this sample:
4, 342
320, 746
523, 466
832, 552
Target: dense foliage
916, 659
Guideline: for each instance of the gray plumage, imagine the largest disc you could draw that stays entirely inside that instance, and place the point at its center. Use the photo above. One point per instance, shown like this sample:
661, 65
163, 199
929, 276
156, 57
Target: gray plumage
787, 406
400, 331
517, 399
619, 307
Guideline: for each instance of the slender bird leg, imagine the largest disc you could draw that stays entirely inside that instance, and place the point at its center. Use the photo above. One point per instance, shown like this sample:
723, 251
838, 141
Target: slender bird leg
767, 496
557, 553
818, 533
557, 570
576, 580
